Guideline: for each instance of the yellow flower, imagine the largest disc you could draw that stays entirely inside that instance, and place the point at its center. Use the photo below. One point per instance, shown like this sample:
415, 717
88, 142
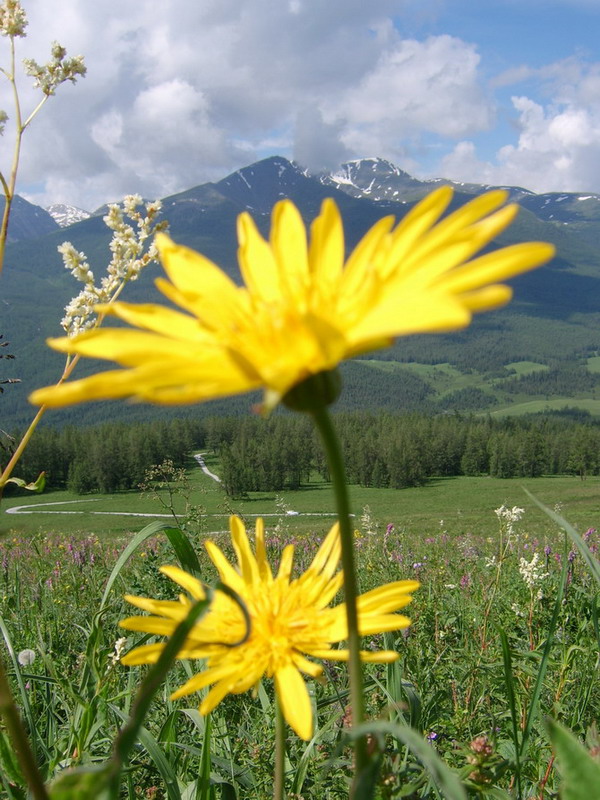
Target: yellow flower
290, 619
302, 309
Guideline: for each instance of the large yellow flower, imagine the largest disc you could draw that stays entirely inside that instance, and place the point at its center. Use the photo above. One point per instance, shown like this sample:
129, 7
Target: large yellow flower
302, 309
290, 619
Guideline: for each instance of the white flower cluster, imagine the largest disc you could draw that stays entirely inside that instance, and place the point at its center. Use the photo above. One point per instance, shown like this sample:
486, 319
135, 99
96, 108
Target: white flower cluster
115, 657
58, 70
367, 521
129, 256
508, 517
506, 514
13, 20
531, 571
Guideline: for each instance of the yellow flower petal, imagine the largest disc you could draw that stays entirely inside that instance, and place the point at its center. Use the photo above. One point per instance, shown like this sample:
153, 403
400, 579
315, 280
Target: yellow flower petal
326, 255
302, 311
159, 319
185, 580
257, 262
193, 273
295, 701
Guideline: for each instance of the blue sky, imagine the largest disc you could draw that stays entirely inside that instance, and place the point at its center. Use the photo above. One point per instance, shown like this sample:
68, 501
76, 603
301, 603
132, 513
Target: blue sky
178, 93
509, 34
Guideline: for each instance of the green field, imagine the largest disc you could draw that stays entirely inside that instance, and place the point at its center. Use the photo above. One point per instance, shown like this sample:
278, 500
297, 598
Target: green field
464, 504
485, 586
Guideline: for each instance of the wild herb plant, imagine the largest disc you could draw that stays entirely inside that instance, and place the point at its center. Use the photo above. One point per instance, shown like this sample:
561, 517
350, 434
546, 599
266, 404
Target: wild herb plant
449, 687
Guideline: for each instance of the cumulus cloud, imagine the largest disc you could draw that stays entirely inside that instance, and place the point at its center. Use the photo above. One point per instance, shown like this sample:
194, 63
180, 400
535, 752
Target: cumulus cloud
414, 88
179, 93
558, 146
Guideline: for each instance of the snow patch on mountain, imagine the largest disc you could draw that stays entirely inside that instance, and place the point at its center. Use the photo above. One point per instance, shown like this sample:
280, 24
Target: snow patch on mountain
66, 215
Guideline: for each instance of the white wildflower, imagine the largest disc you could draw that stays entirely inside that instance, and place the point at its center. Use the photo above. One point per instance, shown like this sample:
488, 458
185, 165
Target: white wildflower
26, 657
513, 514
508, 517
368, 523
76, 262
130, 203
131, 251
58, 70
531, 571
115, 657
491, 562
13, 20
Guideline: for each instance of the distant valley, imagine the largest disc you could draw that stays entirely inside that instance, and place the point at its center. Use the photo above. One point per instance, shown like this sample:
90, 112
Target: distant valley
540, 353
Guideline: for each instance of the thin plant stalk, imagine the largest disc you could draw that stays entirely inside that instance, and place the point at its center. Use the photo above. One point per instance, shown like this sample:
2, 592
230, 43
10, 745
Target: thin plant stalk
8, 186
70, 365
12, 719
279, 778
337, 471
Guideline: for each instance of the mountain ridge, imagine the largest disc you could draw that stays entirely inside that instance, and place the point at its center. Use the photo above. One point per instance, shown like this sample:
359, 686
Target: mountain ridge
556, 313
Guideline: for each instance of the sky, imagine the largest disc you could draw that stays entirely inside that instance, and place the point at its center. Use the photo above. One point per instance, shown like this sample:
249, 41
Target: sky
177, 93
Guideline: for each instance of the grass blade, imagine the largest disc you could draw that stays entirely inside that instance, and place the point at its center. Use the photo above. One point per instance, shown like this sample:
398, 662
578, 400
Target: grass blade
580, 771
537, 689
446, 781
184, 551
512, 704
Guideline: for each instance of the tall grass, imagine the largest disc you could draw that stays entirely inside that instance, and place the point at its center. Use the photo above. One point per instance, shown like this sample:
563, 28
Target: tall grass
490, 654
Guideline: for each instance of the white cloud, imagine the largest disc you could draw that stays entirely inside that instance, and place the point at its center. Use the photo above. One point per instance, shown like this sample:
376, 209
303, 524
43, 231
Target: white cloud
413, 89
558, 145
179, 93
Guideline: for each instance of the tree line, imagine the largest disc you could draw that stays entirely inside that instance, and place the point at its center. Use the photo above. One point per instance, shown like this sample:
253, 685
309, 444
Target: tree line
401, 450
106, 458
381, 449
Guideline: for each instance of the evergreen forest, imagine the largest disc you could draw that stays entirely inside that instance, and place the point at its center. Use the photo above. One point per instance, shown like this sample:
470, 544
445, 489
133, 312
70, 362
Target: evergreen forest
388, 450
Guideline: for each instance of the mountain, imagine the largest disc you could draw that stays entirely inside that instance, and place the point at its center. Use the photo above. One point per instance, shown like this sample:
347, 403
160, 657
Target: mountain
66, 215
379, 180
27, 221
554, 319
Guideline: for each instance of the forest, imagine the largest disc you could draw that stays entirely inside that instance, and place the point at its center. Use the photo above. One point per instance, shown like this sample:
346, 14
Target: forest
392, 450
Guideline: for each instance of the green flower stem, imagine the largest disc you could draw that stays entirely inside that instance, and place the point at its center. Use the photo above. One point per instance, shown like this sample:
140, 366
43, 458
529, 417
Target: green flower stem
337, 471
10, 714
279, 782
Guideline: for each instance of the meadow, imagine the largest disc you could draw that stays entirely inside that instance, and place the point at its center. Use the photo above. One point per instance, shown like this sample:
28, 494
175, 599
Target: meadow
463, 503
504, 633
503, 647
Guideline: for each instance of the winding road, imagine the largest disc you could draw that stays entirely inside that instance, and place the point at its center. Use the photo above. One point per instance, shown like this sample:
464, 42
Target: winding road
42, 508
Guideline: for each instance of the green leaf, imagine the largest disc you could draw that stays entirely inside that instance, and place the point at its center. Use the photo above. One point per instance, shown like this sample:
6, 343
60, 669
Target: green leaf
133, 730
8, 761
37, 486
580, 771
186, 555
181, 545
81, 783
158, 756
446, 781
